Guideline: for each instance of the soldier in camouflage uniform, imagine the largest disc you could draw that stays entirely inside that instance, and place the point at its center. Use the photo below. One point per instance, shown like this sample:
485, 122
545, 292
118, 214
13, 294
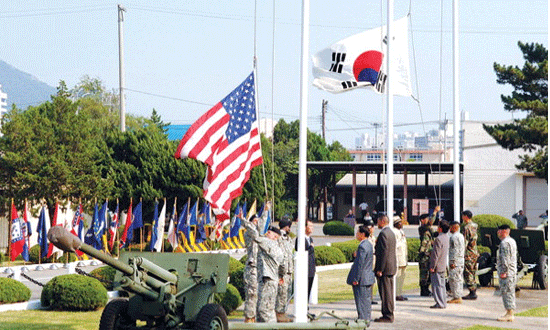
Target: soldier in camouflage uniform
287, 245
250, 276
470, 256
507, 271
271, 268
456, 263
426, 235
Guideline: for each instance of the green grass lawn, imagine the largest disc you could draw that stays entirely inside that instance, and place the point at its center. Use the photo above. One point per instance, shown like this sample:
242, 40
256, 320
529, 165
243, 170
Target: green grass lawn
49, 320
541, 311
333, 287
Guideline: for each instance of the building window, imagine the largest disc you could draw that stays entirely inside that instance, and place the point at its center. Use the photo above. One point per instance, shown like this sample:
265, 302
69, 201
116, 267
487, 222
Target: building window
373, 157
415, 157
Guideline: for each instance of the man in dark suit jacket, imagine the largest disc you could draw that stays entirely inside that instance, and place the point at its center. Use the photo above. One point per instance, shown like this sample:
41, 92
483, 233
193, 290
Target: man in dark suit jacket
385, 268
438, 265
361, 276
310, 258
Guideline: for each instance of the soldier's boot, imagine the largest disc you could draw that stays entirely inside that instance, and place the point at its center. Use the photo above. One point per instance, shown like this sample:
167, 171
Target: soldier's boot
283, 318
508, 317
250, 320
455, 301
425, 291
471, 296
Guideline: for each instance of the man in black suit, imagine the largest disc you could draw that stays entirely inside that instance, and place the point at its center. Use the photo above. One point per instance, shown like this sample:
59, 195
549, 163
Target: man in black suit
361, 276
385, 268
310, 259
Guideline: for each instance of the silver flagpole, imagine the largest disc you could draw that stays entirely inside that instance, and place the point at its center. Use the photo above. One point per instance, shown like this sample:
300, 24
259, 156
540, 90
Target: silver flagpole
456, 116
389, 109
301, 259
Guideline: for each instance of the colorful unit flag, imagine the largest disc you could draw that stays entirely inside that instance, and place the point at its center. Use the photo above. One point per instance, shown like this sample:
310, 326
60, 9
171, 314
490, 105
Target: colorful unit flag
77, 224
42, 229
157, 235
113, 226
359, 61
227, 139
17, 243
172, 236
91, 237
27, 232
127, 226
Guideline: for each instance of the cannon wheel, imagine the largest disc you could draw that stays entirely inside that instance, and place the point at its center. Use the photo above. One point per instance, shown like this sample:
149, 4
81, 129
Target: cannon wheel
541, 272
115, 315
484, 261
211, 317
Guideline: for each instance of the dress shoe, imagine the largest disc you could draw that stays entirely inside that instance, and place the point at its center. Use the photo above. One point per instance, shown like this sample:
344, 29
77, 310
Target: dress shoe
383, 320
401, 298
374, 302
436, 306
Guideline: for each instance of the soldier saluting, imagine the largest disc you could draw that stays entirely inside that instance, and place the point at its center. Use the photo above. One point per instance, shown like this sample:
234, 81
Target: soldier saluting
426, 235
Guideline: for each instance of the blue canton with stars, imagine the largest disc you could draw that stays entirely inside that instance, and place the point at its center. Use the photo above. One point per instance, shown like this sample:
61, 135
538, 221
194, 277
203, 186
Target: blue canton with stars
241, 106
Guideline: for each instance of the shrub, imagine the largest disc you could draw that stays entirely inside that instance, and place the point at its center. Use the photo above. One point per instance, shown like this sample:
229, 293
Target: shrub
12, 291
413, 245
73, 293
481, 249
63, 259
105, 275
337, 228
230, 300
347, 248
234, 264
33, 255
491, 221
328, 255
236, 272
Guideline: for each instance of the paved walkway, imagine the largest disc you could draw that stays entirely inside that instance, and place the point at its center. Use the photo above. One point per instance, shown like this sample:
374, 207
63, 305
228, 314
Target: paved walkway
416, 314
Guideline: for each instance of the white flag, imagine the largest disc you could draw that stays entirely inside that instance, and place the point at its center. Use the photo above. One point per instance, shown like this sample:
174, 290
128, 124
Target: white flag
160, 228
360, 61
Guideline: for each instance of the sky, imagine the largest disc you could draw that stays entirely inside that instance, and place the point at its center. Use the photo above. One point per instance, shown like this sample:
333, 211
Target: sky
182, 57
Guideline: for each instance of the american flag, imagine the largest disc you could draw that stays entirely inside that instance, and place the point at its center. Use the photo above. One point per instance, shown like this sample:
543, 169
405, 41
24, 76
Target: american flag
113, 226
227, 139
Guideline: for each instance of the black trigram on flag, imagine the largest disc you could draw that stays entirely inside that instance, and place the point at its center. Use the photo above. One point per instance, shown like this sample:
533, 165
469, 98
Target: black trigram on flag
337, 59
380, 85
349, 84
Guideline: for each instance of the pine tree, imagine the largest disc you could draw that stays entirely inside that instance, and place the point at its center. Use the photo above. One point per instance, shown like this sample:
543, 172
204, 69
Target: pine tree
530, 95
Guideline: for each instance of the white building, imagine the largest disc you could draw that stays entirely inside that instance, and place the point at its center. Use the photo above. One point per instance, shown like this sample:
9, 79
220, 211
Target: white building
3, 102
492, 183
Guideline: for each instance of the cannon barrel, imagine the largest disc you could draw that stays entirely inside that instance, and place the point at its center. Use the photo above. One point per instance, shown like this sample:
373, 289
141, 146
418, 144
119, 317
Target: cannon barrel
68, 242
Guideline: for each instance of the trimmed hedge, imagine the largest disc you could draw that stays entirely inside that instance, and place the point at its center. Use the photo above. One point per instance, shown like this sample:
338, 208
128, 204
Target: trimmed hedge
481, 249
230, 300
491, 221
74, 293
413, 245
337, 228
347, 248
236, 278
33, 255
106, 276
328, 255
13, 291
234, 265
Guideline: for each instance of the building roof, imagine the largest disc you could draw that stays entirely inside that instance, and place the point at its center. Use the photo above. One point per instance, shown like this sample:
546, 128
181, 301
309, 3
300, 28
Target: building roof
176, 132
379, 167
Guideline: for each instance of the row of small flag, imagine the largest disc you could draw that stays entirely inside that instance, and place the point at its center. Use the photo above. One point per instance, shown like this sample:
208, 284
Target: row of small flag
186, 232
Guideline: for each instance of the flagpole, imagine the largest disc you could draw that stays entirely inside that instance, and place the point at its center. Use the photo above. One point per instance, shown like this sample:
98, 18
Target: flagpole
301, 264
9, 233
456, 115
141, 228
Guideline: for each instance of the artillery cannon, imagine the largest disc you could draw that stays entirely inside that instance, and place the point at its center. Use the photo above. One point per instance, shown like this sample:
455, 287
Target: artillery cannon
175, 292
531, 257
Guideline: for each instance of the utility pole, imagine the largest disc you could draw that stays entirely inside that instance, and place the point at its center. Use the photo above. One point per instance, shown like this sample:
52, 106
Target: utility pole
122, 100
323, 118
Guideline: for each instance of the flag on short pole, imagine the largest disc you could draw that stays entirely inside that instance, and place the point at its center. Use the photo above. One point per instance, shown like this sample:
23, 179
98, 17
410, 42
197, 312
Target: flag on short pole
359, 61
127, 226
113, 227
78, 223
157, 234
172, 237
27, 232
17, 243
92, 238
227, 139
42, 229
182, 222
99, 232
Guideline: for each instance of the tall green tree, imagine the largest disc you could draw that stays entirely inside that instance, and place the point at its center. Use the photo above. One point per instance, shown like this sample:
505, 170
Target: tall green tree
54, 151
530, 95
